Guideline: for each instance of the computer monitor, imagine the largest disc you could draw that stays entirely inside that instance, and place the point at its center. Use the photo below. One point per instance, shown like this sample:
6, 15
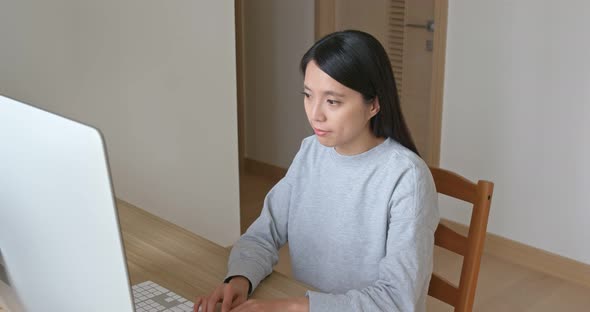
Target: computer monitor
60, 241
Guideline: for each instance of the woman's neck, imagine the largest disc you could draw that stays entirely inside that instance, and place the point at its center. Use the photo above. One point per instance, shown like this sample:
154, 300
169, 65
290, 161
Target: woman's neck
364, 142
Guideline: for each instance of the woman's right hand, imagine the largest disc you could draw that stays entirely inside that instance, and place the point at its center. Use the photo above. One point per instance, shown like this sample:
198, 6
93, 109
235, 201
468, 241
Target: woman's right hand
230, 295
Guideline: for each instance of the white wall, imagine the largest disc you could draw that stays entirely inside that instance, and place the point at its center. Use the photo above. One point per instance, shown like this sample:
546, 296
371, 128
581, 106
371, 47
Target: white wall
517, 112
276, 35
157, 78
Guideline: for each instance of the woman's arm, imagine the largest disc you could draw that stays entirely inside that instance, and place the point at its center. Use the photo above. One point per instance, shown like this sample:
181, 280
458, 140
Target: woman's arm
256, 252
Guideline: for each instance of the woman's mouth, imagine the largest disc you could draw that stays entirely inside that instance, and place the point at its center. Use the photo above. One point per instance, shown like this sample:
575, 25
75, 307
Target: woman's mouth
320, 132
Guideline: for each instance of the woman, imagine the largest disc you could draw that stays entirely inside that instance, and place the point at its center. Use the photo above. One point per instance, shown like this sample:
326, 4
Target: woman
358, 205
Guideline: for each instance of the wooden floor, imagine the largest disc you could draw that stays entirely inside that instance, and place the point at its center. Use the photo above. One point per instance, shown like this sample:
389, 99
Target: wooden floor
503, 286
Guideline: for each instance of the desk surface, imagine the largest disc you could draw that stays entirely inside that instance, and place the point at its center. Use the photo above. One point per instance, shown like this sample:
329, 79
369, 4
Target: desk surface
181, 261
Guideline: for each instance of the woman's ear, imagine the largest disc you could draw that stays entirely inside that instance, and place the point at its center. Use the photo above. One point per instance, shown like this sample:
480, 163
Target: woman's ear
375, 107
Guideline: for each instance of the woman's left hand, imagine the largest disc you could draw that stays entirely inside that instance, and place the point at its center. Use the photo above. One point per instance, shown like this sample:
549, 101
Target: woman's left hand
275, 305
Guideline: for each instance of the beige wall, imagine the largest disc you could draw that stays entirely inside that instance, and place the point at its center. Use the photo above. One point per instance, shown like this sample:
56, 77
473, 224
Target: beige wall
517, 112
157, 78
276, 35
368, 15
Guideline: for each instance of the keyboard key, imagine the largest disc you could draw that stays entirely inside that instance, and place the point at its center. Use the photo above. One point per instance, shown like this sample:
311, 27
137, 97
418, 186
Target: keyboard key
148, 295
185, 308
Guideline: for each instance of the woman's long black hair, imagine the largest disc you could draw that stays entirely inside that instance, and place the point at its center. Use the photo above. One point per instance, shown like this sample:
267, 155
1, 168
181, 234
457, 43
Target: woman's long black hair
358, 61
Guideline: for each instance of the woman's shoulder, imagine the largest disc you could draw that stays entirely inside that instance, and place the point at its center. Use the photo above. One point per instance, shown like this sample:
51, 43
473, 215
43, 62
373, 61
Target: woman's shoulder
412, 176
401, 155
404, 160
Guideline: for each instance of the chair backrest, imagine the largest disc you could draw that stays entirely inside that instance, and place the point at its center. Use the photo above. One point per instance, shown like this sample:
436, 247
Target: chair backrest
462, 296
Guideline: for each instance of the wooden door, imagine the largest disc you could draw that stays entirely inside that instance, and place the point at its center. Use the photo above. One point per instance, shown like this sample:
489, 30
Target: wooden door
414, 33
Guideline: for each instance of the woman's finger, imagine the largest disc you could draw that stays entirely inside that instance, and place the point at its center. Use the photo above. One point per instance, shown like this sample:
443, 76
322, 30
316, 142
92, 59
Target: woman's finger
229, 297
197, 304
216, 297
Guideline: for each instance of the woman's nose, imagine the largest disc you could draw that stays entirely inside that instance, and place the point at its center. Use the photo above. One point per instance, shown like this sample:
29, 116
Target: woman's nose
317, 112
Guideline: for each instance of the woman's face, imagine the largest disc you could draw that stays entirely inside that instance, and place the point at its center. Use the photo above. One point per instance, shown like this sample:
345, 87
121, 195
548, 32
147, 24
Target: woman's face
338, 115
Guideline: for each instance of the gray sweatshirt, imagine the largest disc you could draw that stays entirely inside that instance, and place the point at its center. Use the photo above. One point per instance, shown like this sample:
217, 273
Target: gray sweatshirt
360, 228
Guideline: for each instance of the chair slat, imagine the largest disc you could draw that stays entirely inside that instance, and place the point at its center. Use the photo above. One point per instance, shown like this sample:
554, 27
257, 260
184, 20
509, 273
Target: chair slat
451, 240
443, 290
454, 185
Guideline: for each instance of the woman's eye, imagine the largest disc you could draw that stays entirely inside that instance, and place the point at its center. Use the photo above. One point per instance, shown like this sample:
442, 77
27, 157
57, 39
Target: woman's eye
333, 102
305, 94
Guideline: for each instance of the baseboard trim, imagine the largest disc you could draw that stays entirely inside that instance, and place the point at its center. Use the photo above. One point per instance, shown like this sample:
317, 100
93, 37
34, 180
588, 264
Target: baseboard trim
261, 168
495, 245
531, 257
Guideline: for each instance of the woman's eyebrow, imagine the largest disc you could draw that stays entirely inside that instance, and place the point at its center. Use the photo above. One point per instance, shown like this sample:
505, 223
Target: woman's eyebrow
328, 92
333, 93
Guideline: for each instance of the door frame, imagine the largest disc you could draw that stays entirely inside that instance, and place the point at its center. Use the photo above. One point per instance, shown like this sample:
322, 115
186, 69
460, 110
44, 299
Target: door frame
240, 89
325, 23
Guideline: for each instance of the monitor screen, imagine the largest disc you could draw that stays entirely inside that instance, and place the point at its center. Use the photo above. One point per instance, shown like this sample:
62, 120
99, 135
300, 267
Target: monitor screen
60, 241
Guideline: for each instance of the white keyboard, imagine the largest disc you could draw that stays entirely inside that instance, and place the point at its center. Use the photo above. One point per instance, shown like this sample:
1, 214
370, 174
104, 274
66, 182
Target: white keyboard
151, 297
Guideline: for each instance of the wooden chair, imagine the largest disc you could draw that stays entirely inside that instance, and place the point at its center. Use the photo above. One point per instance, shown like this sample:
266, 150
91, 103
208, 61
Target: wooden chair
461, 297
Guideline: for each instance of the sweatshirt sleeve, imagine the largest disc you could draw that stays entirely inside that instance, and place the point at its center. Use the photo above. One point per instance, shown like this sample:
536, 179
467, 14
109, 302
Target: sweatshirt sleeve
404, 272
256, 252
